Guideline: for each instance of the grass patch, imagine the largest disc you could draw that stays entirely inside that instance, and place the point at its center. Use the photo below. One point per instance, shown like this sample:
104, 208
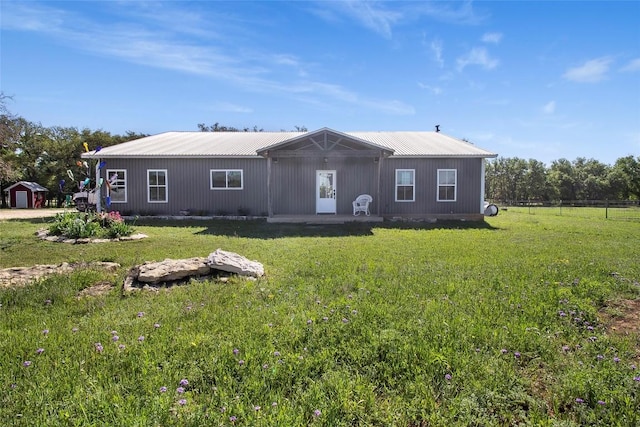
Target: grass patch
465, 324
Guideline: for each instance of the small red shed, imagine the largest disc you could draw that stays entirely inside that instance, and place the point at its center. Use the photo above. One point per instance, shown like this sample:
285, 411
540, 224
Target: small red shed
26, 194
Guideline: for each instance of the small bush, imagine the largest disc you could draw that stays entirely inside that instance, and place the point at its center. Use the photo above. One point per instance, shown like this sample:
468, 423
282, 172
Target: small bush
84, 225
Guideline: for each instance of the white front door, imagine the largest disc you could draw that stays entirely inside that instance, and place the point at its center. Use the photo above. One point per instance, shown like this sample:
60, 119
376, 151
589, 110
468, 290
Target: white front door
21, 200
326, 192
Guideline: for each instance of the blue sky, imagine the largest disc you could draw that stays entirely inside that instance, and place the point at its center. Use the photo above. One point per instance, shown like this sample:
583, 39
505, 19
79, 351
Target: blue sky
542, 80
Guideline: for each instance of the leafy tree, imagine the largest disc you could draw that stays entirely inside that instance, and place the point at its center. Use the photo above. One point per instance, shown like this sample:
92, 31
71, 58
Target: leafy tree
562, 179
216, 127
624, 178
9, 134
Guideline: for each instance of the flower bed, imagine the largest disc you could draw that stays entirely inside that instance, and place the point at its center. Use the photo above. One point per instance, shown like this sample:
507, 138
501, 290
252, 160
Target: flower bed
83, 225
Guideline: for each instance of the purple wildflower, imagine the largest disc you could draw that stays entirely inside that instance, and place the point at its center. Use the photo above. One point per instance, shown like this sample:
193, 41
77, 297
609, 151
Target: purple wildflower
309, 322
236, 351
601, 402
265, 366
140, 313
180, 390
274, 404
504, 351
233, 418
599, 357
516, 354
325, 318
141, 338
184, 382
317, 413
121, 346
447, 377
47, 302
114, 332
562, 313
40, 351
115, 338
74, 330
182, 402
45, 332
616, 359
578, 400
636, 378
256, 408
276, 353
156, 325
163, 389
26, 363
345, 320
565, 348
241, 362
99, 347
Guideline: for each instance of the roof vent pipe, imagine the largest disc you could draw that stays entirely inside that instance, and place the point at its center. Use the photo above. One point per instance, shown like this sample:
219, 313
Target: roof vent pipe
437, 128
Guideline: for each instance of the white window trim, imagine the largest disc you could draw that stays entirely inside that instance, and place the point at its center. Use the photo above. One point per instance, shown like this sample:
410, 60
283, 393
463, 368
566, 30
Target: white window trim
395, 188
455, 185
126, 193
166, 186
226, 171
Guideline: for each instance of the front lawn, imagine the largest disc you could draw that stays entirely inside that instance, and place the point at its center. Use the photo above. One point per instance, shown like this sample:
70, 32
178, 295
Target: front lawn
500, 323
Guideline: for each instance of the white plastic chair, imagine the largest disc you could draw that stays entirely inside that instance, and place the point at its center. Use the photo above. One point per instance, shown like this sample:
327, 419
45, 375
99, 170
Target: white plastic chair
361, 204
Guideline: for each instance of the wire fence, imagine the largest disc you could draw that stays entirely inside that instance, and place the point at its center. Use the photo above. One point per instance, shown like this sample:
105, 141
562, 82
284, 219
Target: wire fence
607, 209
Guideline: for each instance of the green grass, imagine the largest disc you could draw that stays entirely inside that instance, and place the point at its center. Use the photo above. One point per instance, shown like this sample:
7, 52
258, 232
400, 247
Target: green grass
372, 325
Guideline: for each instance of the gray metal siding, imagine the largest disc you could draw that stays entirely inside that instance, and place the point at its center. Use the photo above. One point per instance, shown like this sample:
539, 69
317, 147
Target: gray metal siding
426, 186
188, 187
293, 184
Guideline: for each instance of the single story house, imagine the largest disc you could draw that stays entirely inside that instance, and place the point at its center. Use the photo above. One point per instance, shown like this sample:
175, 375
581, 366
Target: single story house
321, 172
26, 194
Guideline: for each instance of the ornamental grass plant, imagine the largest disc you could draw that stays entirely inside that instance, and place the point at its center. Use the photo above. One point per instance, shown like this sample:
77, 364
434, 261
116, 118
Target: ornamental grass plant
517, 321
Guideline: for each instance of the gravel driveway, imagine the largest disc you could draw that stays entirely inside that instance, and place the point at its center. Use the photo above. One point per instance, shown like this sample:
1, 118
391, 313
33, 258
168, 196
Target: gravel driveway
6, 214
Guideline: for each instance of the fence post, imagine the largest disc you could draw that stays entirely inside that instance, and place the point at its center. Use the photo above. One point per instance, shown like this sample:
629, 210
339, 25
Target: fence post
606, 209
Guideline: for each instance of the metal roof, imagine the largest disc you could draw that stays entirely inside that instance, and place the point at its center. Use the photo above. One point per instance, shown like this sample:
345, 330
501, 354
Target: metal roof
33, 186
247, 144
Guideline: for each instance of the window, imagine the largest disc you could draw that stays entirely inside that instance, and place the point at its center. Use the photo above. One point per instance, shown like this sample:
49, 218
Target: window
117, 185
447, 182
222, 179
405, 183
157, 186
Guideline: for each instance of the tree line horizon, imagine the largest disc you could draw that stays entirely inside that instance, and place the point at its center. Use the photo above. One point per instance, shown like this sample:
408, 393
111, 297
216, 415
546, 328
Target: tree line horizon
30, 151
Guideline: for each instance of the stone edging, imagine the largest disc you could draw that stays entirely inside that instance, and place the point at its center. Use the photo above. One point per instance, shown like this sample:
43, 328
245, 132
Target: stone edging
43, 234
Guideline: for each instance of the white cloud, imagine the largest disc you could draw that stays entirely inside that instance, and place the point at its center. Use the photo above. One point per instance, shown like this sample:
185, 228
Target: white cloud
591, 71
370, 15
477, 56
633, 65
492, 38
549, 107
436, 48
436, 90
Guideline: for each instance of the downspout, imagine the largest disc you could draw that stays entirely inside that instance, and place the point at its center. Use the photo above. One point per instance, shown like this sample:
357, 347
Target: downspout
98, 189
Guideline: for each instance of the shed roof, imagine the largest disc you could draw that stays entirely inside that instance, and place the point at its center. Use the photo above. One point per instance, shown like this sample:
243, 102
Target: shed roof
248, 144
33, 186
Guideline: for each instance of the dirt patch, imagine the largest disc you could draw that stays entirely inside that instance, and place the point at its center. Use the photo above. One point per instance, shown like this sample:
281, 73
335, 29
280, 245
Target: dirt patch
99, 289
622, 317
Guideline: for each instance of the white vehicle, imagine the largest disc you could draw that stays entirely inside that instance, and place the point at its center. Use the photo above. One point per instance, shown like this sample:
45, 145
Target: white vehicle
85, 200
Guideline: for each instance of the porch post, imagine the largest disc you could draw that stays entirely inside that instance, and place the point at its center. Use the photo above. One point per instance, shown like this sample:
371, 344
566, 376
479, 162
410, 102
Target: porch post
379, 191
98, 189
269, 204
